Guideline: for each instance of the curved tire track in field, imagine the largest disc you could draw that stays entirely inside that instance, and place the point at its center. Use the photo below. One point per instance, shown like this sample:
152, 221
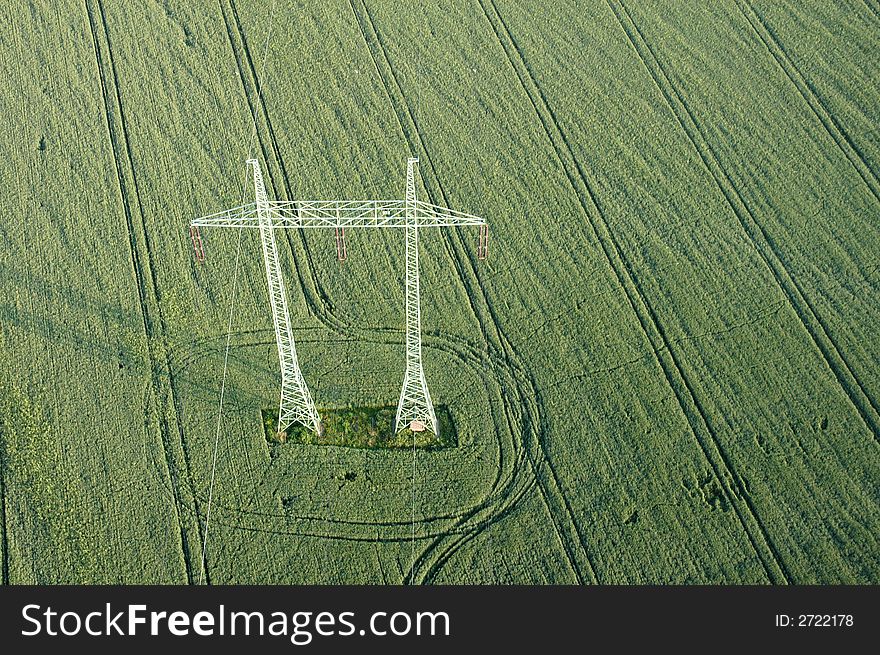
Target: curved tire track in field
463, 352
850, 150
568, 532
666, 358
458, 349
849, 383
160, 362
506, 491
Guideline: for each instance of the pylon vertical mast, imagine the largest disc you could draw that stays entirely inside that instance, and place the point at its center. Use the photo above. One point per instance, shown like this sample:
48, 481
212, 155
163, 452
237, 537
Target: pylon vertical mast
296, 405
415, 409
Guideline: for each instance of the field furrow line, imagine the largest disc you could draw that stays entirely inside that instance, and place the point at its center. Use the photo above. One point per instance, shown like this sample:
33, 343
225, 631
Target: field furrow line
566, 538
249, 84
445, 551
866, 406
246, 92
811, 97
405, 119
568, 531
436, 556
160, 364
656, 337
871, 6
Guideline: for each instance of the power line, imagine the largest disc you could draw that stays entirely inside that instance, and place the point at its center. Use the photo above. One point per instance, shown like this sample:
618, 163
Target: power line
236, 268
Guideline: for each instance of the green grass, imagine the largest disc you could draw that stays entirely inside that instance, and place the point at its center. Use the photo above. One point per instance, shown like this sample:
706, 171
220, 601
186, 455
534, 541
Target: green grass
361, 427
668, 371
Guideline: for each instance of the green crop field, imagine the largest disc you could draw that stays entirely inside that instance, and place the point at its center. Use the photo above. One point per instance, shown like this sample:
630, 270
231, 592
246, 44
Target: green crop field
667, 371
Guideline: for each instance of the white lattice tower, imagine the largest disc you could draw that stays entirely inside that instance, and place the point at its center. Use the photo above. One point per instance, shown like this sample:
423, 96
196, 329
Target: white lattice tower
415, 409
296, 405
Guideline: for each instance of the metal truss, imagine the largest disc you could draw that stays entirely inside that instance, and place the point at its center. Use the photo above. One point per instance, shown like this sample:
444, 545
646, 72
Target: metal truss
306, 214
296, 405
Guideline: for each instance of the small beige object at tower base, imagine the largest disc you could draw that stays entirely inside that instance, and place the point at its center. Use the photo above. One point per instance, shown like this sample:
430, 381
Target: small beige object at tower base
416, 426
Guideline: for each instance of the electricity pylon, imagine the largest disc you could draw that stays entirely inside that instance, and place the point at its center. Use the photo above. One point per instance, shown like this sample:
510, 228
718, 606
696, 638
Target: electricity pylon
296, 405
414, 410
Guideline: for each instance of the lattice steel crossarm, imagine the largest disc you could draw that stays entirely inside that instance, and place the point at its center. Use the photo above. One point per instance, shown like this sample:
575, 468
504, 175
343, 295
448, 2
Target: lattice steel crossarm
296, 405
307, 214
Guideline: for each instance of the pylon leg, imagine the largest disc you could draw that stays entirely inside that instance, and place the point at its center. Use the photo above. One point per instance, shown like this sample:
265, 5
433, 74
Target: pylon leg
296, 405
415, 409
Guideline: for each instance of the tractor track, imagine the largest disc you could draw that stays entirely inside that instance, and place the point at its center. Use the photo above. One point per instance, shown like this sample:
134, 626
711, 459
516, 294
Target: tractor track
570, 536
160, 363
810, 96
865, 406
430, 563
247, 75
656, 337
315, 306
